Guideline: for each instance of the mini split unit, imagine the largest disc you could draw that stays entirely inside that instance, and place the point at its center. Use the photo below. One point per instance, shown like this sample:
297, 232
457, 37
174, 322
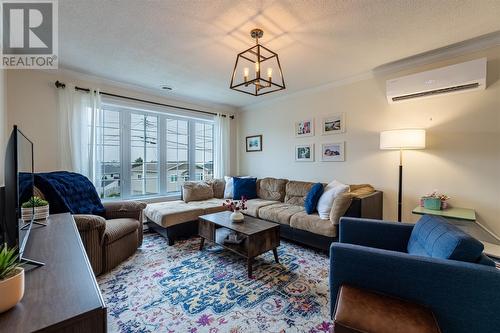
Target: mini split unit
463, 77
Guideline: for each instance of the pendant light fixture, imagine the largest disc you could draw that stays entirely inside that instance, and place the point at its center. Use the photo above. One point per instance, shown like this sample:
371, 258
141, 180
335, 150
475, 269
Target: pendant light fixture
257, 71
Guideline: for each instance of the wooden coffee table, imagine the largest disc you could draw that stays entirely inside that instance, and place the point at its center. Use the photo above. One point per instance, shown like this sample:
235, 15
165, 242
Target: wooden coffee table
259, 236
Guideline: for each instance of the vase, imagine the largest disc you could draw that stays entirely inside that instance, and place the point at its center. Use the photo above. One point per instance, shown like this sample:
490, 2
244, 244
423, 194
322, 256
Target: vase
41, 213
432, 203
12, 290
237, 216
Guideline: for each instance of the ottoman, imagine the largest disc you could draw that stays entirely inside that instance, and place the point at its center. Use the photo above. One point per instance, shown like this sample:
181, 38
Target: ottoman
365, 311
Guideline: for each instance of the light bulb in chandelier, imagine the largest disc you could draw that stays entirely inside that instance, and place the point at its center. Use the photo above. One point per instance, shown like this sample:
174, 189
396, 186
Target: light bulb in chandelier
269, 73
246, 71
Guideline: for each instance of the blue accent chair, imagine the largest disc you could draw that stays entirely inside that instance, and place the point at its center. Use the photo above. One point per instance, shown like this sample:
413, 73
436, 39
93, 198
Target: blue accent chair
437, 273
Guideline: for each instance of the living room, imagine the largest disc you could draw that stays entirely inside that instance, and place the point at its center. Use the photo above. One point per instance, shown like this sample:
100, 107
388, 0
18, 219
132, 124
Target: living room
251, 166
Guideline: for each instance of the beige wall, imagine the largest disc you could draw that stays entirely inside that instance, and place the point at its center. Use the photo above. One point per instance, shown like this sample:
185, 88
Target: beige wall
32, 104
463, 132
3, 120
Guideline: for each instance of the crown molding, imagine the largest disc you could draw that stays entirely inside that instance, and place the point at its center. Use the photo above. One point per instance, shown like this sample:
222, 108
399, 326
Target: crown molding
465, 47
450, 51
182, 101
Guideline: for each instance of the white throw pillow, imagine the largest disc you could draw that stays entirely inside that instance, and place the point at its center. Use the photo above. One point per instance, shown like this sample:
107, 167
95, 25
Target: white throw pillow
325, 202
228, 190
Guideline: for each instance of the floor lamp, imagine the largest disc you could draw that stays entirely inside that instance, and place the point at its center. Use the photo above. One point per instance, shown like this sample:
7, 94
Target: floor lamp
402, 139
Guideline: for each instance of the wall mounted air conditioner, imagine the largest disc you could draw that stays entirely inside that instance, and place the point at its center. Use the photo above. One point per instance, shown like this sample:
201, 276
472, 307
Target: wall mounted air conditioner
463, 77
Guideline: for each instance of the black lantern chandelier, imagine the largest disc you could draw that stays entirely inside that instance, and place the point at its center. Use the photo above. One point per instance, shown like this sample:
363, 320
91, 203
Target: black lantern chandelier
257, 71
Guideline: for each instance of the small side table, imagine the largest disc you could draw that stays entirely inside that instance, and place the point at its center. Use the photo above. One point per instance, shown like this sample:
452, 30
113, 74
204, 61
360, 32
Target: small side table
455, 213
465, 219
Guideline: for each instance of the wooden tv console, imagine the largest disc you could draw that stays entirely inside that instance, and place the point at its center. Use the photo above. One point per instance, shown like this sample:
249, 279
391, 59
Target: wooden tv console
63, 295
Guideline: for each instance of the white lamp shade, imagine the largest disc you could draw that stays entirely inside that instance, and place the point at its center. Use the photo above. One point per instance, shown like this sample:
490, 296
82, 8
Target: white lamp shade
402, 139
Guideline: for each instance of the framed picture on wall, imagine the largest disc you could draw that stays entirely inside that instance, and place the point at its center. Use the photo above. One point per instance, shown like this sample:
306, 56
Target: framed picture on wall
333, 152
254, 143
333, 124
304, 153
304, 128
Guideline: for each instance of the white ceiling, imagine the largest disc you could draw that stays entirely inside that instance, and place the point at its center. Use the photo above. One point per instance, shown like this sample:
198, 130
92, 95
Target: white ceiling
192, 45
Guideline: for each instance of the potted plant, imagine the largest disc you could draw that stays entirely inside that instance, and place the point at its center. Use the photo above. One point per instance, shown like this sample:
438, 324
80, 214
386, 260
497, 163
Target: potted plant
11, 279
435, 201
236, 206
40, 211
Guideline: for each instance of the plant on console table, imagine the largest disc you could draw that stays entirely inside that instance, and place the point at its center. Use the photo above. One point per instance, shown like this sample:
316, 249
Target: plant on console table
11, 278
35, 205
435, 201
236, 207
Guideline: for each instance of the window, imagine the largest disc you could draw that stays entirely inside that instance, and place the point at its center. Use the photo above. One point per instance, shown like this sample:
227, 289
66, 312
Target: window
177, 149
144, 154
108, 147
150, 153
204, 151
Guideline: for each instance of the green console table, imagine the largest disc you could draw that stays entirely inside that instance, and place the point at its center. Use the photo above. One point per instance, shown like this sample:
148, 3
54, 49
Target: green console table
465, 214
465, 219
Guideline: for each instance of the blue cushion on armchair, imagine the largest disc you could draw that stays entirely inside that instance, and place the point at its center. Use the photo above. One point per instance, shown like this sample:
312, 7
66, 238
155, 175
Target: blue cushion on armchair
434, 237
244, 187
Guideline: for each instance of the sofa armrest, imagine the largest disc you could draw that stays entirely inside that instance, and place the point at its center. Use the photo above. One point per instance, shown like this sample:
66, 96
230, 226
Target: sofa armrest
91, 229
368, 206
89, 222
463, 296
375, 233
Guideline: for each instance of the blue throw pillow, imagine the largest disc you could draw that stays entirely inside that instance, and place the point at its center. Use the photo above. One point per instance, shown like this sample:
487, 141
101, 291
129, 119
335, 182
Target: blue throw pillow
244, 187
312, 198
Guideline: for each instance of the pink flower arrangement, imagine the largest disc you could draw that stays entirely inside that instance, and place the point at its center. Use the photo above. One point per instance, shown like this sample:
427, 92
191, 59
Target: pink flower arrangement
435, 194
235, 205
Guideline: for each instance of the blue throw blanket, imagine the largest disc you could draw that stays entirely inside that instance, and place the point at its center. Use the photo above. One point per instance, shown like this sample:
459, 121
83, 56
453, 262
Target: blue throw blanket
69, 192
25, 187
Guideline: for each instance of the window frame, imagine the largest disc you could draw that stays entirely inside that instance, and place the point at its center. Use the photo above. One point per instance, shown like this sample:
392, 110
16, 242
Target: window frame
126, 110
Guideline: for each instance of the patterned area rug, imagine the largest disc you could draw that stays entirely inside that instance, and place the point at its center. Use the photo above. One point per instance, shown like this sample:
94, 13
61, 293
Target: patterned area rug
181, 289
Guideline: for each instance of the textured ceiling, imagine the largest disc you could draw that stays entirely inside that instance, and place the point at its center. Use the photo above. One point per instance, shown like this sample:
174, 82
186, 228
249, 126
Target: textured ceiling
192, 45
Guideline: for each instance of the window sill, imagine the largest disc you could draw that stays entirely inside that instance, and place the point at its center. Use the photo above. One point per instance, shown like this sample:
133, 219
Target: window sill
149, 199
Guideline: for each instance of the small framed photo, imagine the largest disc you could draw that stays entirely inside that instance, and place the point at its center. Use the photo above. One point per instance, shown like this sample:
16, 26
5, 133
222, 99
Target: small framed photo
304, 128
254, 143
304, 153
333, 124
333, 152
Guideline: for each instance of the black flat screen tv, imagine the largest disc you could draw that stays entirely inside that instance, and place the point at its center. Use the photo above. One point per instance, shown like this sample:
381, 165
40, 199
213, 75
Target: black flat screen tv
19, 186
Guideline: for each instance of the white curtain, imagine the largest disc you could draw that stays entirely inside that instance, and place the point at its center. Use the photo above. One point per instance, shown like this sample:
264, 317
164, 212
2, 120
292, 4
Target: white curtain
221, 145
79, 114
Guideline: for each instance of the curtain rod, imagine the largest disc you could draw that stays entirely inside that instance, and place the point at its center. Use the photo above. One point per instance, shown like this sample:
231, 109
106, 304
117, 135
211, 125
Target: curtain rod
62, 85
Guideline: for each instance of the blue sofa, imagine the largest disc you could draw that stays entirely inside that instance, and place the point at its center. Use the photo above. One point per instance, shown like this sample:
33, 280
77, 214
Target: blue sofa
432, 263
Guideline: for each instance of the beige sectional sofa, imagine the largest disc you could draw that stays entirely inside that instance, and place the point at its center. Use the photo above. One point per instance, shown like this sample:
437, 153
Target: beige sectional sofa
279, 200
